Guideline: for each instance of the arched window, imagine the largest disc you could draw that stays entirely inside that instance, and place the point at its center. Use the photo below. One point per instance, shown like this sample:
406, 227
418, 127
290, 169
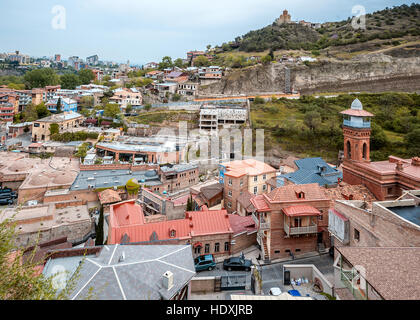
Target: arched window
348, 150
364, 151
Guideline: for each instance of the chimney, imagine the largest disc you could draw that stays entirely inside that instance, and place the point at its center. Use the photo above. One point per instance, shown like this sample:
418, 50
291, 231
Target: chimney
415, 161
168, 280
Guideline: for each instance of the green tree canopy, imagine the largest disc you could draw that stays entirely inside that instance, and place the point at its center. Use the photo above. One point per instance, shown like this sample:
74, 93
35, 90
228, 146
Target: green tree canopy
166, 63
40, 78
69, 81
42, 110
201, 61
86, 76
111, 110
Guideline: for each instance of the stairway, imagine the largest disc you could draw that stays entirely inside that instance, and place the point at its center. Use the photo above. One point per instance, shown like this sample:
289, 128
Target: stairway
266, 256
321, 248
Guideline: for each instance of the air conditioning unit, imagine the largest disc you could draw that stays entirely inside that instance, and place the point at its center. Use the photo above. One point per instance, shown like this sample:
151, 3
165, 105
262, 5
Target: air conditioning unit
233, 242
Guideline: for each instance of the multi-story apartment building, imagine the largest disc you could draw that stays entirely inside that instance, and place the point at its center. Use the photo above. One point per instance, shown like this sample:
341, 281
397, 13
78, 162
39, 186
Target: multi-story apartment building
65, 121
292, 220
67, 104
9, 106
243, 175
124, 97
227, 116
187, 88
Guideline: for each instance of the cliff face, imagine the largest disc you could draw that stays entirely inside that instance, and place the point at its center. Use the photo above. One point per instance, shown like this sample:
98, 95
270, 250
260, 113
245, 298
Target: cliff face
372, 73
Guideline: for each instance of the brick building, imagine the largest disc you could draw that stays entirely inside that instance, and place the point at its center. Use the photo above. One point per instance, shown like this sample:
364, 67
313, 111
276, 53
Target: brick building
243, 175
9, 106
292, 220
387, 224
385, 179
208, 231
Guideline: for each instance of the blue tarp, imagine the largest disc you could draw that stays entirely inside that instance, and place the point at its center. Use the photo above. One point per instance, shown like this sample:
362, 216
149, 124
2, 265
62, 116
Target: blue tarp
294, 293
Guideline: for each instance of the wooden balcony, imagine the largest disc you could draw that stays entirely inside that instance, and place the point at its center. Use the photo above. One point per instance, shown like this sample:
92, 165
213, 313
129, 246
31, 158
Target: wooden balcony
292, 231
263, 224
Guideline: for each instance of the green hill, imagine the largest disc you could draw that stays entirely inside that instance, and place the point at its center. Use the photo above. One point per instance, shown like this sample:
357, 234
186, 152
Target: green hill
388, 24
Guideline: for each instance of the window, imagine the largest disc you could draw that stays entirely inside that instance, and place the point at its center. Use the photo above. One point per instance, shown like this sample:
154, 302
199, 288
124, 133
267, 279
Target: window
264, 187
229, 205
216, 247
390, 190
277, 251
172, 234
230, 193
264, 176
356, 235
297, 250
226, 246
230, 181
241, 182
348, 149
197, 250
207, 248
255, 190
255, 178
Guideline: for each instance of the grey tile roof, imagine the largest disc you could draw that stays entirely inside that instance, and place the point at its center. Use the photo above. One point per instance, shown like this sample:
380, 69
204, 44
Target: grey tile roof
138, 277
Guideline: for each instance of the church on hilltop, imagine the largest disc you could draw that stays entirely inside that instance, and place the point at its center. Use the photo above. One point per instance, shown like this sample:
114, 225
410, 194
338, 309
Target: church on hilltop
284, 18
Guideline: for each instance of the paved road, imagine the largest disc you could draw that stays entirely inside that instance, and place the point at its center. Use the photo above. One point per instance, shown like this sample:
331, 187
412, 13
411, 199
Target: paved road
272, 275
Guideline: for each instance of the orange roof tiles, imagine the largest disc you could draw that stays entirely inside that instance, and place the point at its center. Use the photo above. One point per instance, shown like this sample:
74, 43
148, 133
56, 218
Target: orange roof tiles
127, 218
289, 193
250, 167
299, 211
259, 203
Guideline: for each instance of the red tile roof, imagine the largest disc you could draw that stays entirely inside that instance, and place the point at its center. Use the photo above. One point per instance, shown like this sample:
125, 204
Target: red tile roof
241, 224
357, 113
127, 218
260, 203
301, 210
290, 193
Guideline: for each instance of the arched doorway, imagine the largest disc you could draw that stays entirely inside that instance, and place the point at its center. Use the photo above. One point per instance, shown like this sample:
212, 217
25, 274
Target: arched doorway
348, 149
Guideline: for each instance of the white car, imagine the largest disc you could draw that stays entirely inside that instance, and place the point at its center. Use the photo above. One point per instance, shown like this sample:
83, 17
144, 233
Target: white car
275, 291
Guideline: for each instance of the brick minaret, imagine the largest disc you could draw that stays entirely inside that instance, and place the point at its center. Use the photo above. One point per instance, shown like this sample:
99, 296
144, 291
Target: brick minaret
356, 130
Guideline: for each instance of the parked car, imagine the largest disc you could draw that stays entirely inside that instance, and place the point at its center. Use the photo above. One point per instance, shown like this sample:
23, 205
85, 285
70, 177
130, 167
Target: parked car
5, 201
205, 262
5, 190
275, 291
237, 263
11, 195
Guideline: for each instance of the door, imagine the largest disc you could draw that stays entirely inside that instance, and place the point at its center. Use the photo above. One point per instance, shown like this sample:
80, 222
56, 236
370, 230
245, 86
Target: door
319, 237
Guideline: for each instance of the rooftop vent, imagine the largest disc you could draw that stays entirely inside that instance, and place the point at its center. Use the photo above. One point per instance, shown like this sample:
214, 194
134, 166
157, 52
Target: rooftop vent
168, 280
122, 257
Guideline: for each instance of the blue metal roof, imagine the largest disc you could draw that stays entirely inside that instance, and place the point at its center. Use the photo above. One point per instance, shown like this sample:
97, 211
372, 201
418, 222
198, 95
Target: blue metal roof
314, 170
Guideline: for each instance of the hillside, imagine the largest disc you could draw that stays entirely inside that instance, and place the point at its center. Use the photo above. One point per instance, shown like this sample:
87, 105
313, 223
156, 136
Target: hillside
402, 22
311, 126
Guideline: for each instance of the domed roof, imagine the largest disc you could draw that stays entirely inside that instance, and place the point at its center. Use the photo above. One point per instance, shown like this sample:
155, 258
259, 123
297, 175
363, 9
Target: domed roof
63, 178
39, 180
150, 173
356, 105
20, 165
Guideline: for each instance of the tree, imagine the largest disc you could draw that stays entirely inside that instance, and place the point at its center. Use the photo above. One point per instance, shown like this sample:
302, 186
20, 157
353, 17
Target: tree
179, 63
147, 106
266, 59
99, 240
86, 102
208, 47
201, 61
86, 76
59, 105
190, 204
42, 110
54, 128
312, 120
112, 110
40, 78
412, 143
69, 81
166, 63
129, 108
20, 278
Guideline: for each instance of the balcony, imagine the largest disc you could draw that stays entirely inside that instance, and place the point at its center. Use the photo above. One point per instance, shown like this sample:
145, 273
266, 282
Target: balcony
263, 225
292, 231
356, 124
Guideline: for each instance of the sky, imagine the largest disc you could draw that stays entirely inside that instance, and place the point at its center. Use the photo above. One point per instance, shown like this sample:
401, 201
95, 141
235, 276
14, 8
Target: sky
142, 31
